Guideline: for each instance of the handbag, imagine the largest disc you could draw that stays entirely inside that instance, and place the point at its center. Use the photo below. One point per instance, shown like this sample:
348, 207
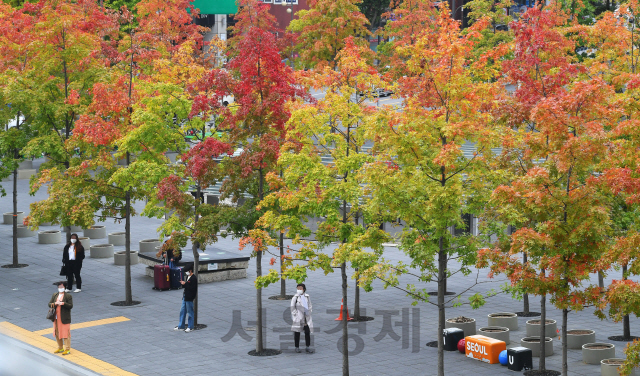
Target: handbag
63, 270
51, 315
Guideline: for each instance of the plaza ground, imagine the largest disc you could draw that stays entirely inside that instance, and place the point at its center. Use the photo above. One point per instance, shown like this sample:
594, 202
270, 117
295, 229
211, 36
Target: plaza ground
140, 340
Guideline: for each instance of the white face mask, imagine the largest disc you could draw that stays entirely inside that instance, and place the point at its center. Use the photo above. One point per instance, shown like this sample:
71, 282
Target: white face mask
60, 290
187, 274
300, 292
73, 240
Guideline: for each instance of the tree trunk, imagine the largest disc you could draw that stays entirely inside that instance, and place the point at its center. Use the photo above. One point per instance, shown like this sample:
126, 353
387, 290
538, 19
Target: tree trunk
600, 279
565, 365
442, 269
525, 298
127, 246
356, 299
626, 327
259, 325
283, 282
543, 319
15, 213
345, 329
196, 258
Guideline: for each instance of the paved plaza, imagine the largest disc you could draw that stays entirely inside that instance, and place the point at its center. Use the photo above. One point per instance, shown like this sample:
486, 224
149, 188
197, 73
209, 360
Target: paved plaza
140, 339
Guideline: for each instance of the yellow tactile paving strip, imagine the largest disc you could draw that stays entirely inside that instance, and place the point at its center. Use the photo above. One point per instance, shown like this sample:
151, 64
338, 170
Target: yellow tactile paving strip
87, 324
77, 357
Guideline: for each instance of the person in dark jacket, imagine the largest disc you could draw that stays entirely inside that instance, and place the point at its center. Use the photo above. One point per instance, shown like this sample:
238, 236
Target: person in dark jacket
62, 324
171, 255
188, 296
72, 257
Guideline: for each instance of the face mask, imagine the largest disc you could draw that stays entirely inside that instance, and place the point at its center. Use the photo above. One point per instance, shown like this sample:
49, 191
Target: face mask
73, 240
60, 290
300, 292
187, 273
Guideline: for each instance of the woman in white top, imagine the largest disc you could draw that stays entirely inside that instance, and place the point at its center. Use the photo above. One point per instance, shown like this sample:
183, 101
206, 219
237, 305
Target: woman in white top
301, 315
72, 257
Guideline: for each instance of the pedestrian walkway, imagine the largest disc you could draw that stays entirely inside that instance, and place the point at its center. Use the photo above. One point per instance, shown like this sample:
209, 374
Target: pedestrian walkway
140, 340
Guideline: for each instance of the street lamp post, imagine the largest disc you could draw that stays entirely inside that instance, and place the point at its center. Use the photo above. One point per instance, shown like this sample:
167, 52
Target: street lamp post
289, 5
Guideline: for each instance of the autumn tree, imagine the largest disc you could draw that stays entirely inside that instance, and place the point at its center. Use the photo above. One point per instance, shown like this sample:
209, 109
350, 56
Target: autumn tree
420, 174
320, 160
563, 218
324, 27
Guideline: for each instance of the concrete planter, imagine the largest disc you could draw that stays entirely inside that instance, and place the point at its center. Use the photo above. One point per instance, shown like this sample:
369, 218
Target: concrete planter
469, 328
578, 337
500, 333
8, 218
117, 238
102, 251
75, 229
534, 345
45, 224
96, 232
149, 245
86, 242
25, 232
594, 353
25, 165
120, 257
26, 174
550, 329
49, 237
504, 319
611, 369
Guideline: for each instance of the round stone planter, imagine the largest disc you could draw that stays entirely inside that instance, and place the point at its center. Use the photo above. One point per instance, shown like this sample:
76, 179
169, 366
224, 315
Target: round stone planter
46, 224
119, 257
25, 232
75, 229
102, 251
96, 232
578, 337
25, 165
117, 238
86, 242
469, 328
550, 329
500, 333
594, 353
504, 319
8, 218
533, 343
149, 245
49, 237
609, 367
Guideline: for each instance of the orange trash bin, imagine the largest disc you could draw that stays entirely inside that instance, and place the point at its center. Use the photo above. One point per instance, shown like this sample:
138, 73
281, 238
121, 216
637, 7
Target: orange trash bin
484, 348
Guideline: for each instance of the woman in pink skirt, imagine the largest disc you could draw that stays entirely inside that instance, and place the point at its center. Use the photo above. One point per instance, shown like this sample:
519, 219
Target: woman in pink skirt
62, 325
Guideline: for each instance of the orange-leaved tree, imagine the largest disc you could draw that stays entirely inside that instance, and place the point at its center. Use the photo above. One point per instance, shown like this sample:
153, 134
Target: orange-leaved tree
559, 145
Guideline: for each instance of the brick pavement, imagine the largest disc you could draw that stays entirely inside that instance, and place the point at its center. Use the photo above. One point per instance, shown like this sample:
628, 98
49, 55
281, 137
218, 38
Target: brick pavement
147, 344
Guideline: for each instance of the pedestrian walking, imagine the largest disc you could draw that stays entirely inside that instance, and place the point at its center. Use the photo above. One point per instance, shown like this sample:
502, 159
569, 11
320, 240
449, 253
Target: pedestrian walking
188, 296
301, 315
63, 302
72, 257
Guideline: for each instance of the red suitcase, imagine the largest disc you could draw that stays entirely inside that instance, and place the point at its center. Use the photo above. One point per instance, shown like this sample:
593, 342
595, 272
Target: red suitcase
161, 277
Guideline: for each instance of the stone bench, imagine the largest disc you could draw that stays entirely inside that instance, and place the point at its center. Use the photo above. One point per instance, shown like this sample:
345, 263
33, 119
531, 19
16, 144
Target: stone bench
213, 266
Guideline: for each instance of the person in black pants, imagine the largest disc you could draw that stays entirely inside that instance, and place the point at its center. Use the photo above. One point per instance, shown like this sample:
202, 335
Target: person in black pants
72, 257
188, 296
301, 315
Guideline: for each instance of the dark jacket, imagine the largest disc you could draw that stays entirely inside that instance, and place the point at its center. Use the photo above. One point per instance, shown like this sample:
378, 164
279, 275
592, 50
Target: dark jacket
65, 310
190, 288
79, 253
170, 255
